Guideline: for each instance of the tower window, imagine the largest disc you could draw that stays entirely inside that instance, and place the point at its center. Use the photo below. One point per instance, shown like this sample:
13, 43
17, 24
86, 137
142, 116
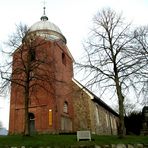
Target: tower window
65, 107
63, 59
32, 55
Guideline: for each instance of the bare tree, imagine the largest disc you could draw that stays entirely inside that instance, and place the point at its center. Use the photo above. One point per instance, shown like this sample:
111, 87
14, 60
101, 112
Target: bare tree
30, 70
109, 62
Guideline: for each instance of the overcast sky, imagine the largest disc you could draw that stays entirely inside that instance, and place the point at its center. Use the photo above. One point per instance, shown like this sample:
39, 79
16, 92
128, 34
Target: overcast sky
73, 17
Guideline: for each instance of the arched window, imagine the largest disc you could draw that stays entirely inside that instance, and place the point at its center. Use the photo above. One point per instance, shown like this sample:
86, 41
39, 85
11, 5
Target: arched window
65, 107
97, 115
107, 120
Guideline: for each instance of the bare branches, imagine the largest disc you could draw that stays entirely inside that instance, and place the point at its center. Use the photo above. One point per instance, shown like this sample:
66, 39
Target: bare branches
115, 55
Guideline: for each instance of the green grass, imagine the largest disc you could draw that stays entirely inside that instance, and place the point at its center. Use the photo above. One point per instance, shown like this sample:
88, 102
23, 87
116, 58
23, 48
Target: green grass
67, 140
125, 140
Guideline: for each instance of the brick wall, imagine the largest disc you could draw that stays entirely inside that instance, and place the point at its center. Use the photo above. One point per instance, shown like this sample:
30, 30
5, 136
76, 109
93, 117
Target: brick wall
49, 94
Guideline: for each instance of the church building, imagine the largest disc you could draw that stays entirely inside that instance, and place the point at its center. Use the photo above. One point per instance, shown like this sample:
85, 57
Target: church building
57, 103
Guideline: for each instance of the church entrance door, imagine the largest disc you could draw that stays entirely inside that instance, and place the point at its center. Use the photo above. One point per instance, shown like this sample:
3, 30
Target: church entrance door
31, 123
66, 124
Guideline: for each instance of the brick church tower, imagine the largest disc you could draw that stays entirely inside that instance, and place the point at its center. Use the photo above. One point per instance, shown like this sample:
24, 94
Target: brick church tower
43, 64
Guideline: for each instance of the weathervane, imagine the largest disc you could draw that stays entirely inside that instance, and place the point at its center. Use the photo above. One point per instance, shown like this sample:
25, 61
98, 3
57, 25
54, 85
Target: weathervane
44, 7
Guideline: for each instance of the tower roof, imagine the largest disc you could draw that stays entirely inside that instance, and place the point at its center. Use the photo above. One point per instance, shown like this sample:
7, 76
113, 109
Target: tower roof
46, 27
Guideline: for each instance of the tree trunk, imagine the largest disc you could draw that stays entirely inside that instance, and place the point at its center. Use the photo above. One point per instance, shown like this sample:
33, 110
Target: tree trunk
26, 117
121, 105
26, 95
121, 113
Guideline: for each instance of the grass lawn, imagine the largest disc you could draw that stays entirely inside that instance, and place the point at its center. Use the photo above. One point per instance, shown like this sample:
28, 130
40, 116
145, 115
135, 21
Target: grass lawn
67, 140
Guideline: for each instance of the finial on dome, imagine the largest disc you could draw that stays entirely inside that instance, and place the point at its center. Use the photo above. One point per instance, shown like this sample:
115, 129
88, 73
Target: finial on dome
44, 10
44, 17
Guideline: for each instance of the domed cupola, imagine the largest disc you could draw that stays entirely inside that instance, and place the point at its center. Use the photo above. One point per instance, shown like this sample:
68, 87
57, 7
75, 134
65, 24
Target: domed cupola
45, 28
